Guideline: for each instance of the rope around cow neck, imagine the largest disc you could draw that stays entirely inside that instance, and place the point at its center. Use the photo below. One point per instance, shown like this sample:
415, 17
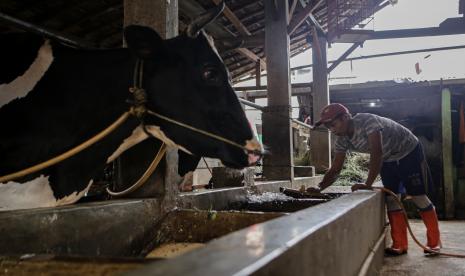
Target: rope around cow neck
153, 165
57, 159
206, 133
67, 154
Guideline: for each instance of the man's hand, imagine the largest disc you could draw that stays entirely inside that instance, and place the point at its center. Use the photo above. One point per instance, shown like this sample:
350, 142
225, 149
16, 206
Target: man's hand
360, 186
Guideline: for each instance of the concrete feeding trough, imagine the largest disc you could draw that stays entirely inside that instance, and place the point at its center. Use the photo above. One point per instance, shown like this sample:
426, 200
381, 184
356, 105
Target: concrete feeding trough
327, 239
111, 237
203, 237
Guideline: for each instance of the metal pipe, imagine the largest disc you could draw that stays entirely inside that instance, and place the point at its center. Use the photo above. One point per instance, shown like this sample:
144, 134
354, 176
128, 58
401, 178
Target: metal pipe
377, 56
261, 108
301, 123
29, 27
252, 104
391, 54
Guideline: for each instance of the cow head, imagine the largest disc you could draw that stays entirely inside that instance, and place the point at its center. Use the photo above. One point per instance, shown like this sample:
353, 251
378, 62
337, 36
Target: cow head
186, 80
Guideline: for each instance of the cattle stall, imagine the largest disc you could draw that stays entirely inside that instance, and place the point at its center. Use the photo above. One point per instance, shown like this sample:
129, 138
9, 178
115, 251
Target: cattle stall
111, 109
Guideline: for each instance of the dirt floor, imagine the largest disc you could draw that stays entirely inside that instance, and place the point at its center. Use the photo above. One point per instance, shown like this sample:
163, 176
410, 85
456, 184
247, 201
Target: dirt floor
172, 250
44, 265
48, 265
415, 264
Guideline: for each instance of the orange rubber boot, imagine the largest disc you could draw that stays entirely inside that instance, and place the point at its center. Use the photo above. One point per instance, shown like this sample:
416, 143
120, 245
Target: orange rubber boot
398, 233
432, 230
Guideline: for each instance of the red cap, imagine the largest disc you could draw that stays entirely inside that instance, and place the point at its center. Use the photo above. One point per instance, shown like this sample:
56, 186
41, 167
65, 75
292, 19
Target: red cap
330, 112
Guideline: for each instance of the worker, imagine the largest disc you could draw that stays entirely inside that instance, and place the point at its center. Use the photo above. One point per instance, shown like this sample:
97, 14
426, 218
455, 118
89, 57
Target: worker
397, 155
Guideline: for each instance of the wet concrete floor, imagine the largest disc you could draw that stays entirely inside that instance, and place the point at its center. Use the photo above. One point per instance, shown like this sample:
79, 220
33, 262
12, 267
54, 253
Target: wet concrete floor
415, 263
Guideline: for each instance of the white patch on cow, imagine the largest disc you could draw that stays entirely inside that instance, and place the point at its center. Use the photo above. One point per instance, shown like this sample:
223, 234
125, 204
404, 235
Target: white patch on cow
74, 197
33, 194
24, 84
138, 135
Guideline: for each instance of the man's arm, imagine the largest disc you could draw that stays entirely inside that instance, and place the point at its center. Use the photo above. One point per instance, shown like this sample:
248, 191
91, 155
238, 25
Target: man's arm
333, 172
376, 156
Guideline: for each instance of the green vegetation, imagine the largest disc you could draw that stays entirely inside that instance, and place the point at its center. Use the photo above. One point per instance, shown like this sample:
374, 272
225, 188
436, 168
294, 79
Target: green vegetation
303, 160
355, 169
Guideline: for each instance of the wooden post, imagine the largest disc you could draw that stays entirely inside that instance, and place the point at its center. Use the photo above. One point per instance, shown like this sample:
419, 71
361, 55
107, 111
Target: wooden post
277, 133
258, 73
447, 165
320, 140
162, 16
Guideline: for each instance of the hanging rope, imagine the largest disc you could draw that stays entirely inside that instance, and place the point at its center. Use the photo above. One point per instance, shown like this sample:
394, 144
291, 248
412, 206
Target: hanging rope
153, 165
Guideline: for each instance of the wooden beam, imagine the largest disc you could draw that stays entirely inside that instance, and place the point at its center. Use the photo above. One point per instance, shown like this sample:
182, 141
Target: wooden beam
354, 36
301, 16
251, 55
277, 132
292, 8
93, 15
447, 164
193, 9
234, 20
258, 71
252, 41
316, 24
343, 56
162, 16
321, 141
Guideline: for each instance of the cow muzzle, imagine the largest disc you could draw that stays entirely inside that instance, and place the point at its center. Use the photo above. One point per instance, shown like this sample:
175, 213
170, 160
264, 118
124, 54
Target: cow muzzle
254, 151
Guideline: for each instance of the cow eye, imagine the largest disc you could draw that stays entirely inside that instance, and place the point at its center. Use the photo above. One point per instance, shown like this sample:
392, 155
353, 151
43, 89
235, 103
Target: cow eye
211, 76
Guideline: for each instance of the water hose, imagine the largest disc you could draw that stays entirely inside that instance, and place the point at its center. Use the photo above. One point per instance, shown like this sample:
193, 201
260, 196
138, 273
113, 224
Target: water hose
426, 249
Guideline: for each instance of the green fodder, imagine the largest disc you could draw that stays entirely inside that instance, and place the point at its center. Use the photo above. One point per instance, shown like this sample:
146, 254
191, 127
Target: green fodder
303, 160
355, 169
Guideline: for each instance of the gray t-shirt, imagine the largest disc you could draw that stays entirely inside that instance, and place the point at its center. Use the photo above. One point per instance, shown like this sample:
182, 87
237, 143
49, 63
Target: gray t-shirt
397, 140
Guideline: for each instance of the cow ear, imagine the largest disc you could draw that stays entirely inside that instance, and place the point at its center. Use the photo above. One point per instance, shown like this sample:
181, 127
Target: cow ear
144, 42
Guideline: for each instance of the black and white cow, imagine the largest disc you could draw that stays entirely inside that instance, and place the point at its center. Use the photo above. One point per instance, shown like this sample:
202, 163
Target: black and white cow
53, 98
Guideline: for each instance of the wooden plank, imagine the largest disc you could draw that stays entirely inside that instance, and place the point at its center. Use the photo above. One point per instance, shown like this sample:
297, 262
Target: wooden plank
258, 73
251, 55
234, 20
193, 9
300, 18
292, 8
343, 56
353, 36
448, 167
